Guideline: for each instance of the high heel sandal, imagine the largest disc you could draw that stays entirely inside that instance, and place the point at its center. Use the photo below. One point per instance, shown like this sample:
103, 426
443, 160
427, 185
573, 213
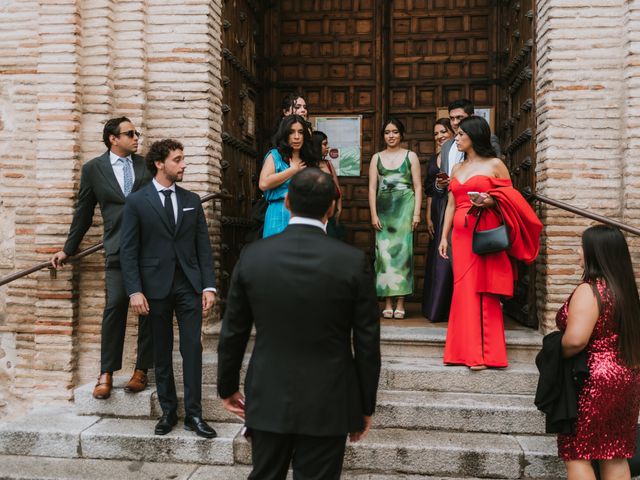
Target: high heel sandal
399, 314
387, 313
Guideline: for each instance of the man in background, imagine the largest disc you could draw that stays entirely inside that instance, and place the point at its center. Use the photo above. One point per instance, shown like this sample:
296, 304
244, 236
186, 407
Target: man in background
107, 180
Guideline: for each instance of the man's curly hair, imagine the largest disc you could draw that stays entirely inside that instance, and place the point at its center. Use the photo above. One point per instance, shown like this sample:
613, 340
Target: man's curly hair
159, 152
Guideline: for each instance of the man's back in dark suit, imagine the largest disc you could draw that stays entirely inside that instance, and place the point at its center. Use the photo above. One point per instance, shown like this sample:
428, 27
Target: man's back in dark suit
101, 185
306, 294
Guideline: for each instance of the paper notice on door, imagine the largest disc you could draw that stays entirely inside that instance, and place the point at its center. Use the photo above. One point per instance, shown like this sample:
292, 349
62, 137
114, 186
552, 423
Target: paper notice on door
343, 134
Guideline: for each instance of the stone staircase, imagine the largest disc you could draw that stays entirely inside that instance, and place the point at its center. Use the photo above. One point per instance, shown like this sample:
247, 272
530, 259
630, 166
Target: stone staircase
432, 421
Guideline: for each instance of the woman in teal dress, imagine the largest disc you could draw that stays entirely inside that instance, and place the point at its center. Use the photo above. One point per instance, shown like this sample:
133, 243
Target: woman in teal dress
292, 154
395, 200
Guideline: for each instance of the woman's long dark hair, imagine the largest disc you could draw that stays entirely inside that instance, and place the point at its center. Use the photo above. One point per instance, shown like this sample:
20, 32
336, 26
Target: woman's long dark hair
446, 123
606, 257
479, 132
317, 137
281, 141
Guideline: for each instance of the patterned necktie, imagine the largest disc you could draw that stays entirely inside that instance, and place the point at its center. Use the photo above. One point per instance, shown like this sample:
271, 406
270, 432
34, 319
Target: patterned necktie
168, 206
128, 176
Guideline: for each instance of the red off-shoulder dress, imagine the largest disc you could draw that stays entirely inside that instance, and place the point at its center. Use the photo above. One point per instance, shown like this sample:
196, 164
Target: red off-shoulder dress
475, 334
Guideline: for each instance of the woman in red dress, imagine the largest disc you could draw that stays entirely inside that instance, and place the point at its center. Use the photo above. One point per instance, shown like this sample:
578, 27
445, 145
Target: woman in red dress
603, 316
475, 334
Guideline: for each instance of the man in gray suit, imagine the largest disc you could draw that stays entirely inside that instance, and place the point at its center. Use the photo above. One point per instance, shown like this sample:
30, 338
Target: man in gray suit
107, 180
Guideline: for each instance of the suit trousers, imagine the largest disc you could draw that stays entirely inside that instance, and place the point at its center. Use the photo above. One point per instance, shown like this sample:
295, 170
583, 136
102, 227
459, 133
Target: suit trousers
312, 458
187, 305
114, 324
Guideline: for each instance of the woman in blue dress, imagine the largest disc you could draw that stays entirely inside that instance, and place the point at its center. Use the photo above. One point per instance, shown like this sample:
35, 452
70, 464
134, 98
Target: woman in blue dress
291, 154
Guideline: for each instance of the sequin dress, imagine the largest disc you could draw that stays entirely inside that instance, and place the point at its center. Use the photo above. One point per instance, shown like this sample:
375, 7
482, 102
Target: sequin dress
609, 402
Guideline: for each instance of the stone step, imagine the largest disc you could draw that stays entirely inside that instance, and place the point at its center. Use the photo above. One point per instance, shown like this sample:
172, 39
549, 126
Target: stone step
472, 412
25, 468
417, 341
47, 433
28, 468
420, 374
464, 412
54, 433
448, 454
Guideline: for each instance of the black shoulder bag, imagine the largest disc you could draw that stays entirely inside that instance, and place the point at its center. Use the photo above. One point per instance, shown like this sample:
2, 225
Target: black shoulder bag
492, 240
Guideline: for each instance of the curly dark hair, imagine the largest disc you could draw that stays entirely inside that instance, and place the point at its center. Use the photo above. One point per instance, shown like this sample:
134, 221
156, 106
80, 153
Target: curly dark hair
281, 141
112, 127
159, 152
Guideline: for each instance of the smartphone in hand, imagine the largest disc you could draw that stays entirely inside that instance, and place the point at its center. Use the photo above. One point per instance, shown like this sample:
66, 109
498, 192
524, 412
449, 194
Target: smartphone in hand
442, 176
475, 196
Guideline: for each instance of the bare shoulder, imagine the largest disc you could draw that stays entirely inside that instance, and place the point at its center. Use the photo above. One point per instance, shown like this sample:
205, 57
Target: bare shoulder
584, 297
413, 156
500, 170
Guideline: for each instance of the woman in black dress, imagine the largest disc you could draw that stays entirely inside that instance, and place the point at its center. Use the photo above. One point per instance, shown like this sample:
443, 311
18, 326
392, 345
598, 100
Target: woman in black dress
438, 277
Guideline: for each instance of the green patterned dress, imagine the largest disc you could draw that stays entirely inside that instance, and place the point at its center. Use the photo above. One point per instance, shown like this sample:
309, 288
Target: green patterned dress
394, 244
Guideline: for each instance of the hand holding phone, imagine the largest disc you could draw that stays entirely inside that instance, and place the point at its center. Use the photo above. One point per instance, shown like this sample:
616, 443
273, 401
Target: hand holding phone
442, 176
477, 198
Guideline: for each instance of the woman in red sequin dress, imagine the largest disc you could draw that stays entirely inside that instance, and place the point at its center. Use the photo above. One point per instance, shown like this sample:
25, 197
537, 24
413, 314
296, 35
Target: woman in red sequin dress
603, 316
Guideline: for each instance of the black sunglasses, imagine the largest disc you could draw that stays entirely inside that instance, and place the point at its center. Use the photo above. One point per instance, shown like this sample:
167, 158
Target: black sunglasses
131, 133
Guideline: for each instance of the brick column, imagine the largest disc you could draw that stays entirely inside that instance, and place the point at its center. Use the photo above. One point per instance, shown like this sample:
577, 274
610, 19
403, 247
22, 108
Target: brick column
185, 91
97, 89
18, 193
630, 115
58, 148
580, 90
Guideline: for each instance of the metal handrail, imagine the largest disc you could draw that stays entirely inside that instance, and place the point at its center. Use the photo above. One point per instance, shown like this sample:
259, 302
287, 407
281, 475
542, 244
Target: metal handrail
88, 251
579, 211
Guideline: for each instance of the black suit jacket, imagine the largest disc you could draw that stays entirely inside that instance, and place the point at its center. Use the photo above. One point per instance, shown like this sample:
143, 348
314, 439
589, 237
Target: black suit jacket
151, 249
307, 294
98, 185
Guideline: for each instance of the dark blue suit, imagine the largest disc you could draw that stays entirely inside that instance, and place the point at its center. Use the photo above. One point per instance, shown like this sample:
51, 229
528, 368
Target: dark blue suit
171, 265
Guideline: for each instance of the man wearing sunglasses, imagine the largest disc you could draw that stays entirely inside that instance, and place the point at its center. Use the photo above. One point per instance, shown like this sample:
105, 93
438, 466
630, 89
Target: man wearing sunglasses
107, 180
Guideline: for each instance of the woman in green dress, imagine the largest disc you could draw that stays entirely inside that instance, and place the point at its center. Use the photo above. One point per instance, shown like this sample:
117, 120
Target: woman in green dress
395, 199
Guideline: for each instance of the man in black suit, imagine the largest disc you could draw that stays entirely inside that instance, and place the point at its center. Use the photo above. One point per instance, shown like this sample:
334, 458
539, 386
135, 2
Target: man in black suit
167, 267
107, 180
308, 295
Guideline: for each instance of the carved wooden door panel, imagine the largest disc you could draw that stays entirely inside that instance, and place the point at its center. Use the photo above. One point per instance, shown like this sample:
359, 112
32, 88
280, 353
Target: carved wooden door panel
331, 52
440, 51
242, 30
517, 127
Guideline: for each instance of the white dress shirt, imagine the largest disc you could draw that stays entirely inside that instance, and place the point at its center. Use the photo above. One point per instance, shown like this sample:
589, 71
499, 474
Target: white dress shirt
455, 157
118, 168
308, 221
174, 200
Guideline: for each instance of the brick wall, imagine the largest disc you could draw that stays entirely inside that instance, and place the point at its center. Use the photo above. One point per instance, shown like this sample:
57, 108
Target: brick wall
66, 67
588, 129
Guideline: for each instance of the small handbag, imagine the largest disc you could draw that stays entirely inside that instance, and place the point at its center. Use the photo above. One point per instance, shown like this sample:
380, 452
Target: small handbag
492, 240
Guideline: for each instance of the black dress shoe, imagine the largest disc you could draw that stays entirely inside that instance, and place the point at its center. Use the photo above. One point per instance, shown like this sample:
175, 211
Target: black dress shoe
166, 423
198, 425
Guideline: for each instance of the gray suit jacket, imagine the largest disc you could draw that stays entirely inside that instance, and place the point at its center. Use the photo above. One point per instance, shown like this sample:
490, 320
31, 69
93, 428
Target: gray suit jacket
98, 185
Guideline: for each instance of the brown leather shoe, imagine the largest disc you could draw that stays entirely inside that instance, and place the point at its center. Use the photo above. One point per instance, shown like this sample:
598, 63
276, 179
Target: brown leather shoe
102, 390
137, 383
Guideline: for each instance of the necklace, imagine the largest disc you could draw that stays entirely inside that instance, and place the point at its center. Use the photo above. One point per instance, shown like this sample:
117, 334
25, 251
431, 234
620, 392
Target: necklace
393, 159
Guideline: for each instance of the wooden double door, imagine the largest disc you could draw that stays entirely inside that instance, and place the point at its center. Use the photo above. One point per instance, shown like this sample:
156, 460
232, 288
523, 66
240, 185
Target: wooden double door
374, 58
